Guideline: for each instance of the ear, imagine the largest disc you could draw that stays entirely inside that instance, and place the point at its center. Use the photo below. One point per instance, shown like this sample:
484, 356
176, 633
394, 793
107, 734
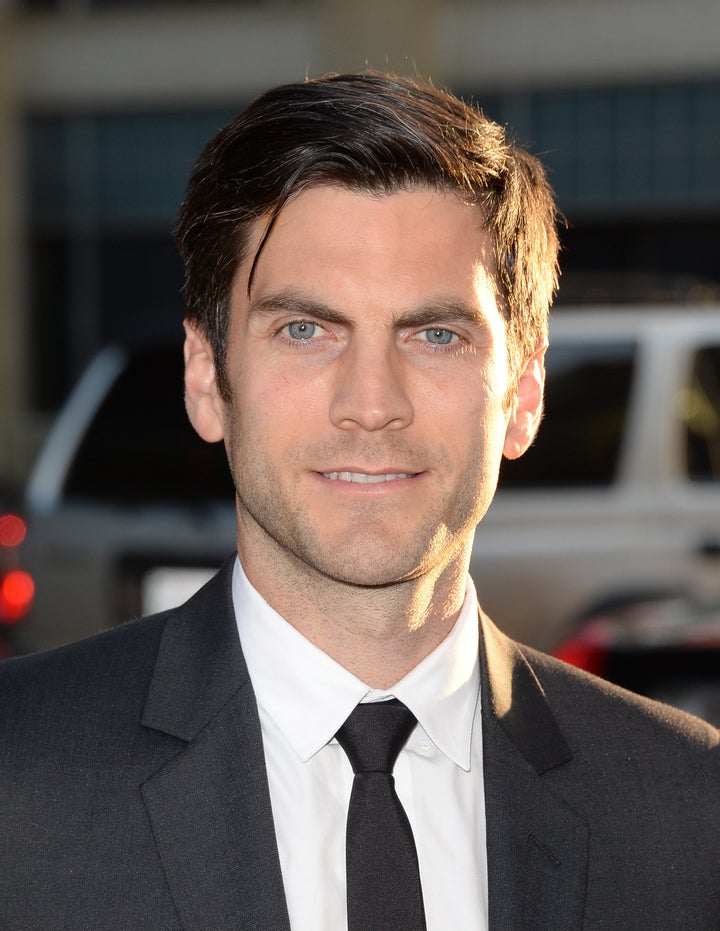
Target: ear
203, 403
527, 405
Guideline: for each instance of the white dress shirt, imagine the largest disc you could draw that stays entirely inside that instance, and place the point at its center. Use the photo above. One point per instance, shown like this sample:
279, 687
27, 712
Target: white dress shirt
303, 697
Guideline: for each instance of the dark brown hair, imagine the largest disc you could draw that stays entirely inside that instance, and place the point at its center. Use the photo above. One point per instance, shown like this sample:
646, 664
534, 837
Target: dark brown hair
373, 133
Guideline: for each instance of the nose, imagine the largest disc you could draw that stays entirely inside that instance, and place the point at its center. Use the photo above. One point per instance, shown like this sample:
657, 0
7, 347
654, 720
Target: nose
370, 391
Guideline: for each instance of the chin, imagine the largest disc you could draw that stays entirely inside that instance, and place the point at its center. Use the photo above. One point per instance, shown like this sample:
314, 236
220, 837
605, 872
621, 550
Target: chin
375, 566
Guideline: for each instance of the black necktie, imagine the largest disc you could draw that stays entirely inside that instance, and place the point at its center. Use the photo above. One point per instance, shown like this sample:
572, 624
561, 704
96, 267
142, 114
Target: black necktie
383, 880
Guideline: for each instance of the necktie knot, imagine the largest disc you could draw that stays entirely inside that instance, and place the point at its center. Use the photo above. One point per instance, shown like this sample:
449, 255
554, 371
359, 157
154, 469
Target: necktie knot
374, 734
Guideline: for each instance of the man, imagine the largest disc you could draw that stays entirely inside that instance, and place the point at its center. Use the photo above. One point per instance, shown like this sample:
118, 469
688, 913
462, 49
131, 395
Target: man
369, 268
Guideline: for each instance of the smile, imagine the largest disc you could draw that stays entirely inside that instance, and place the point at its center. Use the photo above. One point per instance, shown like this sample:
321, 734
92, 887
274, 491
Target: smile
362, 478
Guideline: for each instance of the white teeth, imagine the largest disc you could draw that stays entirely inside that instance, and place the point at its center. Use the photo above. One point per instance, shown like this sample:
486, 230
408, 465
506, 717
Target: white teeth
363, 479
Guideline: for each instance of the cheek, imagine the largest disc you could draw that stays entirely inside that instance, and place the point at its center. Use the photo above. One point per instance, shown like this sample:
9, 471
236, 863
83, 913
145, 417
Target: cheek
285, 384
473, 406
483, 436
275, 413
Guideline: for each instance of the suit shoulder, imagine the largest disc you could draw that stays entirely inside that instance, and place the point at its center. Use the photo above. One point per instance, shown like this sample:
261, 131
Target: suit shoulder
106, 665
78, 708
582, 700
118, 653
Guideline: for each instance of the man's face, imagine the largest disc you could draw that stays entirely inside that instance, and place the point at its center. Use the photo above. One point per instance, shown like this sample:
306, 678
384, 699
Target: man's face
369, 378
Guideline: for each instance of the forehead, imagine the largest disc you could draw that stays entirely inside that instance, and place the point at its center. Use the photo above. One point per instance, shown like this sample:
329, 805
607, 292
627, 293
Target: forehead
416, 238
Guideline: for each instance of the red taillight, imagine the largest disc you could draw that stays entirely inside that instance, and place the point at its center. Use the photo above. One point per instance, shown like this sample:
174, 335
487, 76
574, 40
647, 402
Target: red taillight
16, 594
589, 647
12, 530
585, 655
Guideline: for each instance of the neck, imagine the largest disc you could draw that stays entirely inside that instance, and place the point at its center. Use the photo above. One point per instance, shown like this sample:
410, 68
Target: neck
379, 634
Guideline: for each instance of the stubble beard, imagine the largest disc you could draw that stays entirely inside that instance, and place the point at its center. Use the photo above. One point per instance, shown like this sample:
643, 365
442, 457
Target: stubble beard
366, 549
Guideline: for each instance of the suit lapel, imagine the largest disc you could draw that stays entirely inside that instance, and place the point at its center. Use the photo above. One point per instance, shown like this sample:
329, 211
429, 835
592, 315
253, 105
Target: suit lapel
537, 845
209, 806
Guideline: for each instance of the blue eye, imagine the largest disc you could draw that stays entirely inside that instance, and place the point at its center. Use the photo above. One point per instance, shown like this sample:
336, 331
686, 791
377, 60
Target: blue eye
439, 336
301, 329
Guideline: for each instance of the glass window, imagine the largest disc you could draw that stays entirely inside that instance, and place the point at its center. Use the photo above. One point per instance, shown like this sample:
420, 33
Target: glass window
103, 193
586, 402
622, 148
701, 414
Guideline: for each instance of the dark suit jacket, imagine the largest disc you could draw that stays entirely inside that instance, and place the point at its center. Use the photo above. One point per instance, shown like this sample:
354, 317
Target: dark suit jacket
133, 792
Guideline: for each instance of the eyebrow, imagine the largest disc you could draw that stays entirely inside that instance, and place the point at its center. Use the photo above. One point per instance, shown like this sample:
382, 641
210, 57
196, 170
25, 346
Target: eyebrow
445, 310
441, 310
296, 303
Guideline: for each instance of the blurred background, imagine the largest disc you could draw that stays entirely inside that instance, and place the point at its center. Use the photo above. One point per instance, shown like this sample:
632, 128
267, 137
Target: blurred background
104, 105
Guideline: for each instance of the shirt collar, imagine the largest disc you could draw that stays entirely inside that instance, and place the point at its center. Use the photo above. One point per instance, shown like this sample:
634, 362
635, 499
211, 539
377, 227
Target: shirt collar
308, 695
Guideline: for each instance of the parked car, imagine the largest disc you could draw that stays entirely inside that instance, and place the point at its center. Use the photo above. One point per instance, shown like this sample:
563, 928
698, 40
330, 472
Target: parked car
125, 501
664, 648
619, 496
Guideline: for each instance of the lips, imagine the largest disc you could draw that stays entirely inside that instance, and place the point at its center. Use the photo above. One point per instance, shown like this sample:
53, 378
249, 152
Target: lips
363, 478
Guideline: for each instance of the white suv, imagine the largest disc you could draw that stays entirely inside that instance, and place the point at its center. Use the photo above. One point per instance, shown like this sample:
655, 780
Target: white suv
619, 497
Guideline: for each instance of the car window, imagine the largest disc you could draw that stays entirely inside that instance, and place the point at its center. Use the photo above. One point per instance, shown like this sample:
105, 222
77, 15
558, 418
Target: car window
701, 415
140, 446
586, 404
